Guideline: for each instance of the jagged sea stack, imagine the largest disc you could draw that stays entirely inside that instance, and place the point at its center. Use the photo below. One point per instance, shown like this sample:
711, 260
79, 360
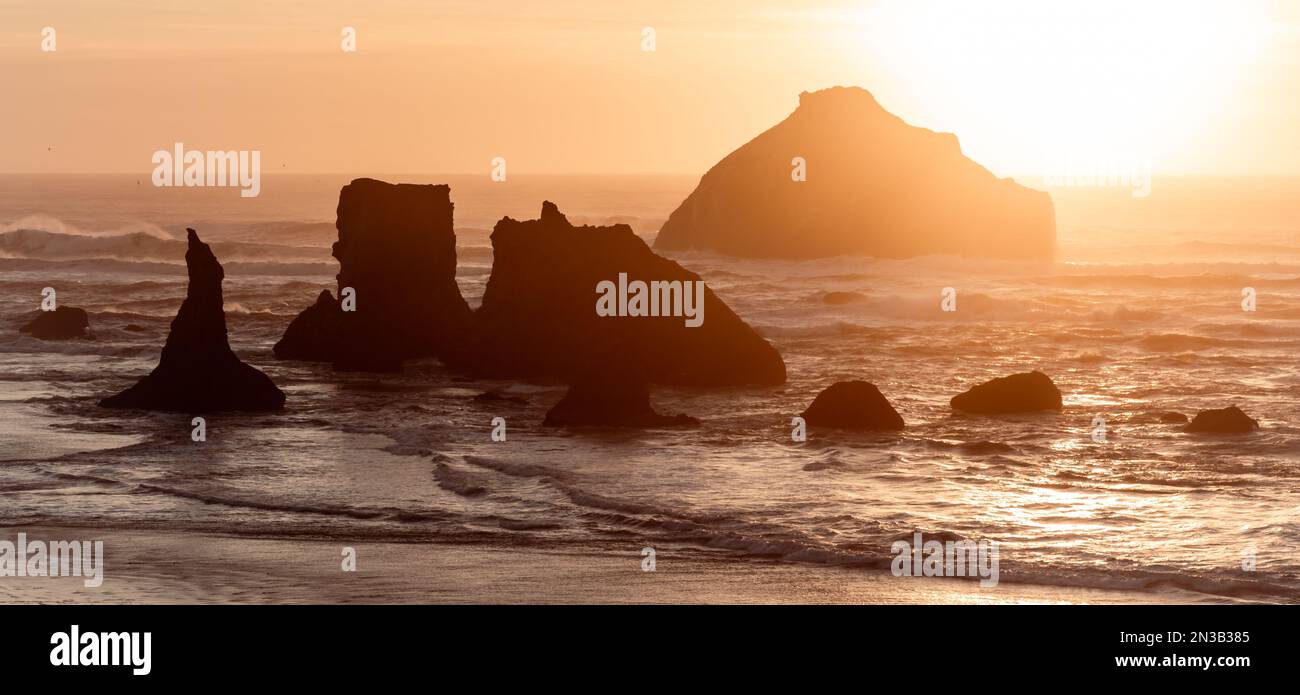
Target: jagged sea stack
397, 251
198, 372
539, 314
871, 185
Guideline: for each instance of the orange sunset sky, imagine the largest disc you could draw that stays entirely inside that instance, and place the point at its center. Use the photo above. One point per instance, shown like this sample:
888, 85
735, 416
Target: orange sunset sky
1198, 87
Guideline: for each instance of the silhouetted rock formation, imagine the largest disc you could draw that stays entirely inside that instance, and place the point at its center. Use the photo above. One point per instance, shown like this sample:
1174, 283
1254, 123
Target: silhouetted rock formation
198, 372
64, 323
874, 185
610, 399
538, 318
1230, 420
852, 405
1018, 393
397, 250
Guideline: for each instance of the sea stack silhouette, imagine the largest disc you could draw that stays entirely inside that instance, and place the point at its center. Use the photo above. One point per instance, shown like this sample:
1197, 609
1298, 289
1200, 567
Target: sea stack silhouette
872, 185
539, 319
397, 252
198, 372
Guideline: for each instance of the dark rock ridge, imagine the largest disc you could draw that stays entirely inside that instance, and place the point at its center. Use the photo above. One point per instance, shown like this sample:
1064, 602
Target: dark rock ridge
538, 318
198, 372
64, 323
1230, 420
609, 399
1018, 393
874, 186
397, 250
854, 405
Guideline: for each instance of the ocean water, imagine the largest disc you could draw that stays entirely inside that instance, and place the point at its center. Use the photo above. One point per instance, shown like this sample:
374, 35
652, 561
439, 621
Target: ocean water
1140, 314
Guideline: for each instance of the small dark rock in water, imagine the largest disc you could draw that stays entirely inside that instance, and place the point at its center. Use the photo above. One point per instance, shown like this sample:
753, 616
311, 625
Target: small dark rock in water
854, 405
135, 328
198, 372
64, 323
1019, 393
1230, 420
1164, 417
843, 298
498, 397
611, 401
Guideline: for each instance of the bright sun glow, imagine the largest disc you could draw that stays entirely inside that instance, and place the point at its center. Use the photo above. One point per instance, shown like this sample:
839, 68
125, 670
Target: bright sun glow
1046, 79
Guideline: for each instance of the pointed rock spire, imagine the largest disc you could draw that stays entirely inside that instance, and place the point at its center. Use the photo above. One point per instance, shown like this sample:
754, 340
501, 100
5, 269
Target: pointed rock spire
198, 372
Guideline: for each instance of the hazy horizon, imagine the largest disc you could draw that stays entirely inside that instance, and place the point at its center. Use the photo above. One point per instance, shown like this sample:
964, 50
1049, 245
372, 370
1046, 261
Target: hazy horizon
1197, 88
